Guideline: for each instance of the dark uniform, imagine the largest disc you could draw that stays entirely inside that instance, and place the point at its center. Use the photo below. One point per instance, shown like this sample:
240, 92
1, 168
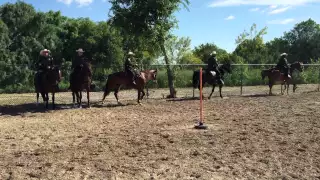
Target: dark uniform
42, 65
213, 65
283, 65
130, 67
79, 60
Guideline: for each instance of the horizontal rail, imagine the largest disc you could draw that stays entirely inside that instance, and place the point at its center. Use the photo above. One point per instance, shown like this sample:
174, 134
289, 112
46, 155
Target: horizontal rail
231, 64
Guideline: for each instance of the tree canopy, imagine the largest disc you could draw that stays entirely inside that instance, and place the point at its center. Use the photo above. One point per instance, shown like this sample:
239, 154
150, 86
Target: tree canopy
138, 25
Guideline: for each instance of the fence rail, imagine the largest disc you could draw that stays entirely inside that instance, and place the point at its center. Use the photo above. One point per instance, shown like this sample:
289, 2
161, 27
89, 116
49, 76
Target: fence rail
244, 79
243, 74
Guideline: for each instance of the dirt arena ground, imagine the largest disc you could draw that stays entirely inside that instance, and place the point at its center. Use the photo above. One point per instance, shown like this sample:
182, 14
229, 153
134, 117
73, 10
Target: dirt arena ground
253, 136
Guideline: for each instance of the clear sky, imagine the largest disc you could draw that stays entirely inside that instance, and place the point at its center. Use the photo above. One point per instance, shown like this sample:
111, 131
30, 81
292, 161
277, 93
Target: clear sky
217, 21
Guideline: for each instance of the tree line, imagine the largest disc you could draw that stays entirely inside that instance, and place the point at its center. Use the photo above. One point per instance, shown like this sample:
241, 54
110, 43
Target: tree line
140, 26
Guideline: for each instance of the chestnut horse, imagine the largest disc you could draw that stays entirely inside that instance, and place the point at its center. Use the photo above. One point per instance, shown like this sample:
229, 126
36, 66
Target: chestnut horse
80, 80
118, 79
276, 77
48, 83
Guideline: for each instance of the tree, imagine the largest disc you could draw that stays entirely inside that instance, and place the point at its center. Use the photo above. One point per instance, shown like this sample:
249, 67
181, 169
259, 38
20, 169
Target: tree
148, 20
176, 48
304, 41
275, 47
250, 46
203, 51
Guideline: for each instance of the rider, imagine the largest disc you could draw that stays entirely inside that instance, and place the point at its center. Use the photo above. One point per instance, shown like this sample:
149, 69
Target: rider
213, 64
44, 61
79, 60
130, 67
283, 64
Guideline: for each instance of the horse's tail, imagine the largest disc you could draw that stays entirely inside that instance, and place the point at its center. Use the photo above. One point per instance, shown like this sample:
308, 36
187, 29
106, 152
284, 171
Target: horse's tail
263, 74
195, 79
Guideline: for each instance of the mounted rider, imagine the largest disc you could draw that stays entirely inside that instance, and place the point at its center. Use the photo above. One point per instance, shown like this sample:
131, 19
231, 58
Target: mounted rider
79, 61
45, 61
130, 67
283, 65
213, 65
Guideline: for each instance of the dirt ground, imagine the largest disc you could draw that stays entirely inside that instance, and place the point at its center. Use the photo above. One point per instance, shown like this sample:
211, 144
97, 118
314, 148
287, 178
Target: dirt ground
254, 136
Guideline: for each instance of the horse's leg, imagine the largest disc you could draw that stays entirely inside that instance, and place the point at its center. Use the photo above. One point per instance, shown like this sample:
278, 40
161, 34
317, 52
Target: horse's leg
270, 87
139, 97
143, 94
294, 88
105, 94
88, 96
80, 99
37, 99
213, 87
73, 99
288, 88
47, 100
53, 104
116, 94
220, 90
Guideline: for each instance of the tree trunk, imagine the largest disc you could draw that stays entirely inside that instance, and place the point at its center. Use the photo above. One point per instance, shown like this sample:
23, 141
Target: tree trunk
169, 72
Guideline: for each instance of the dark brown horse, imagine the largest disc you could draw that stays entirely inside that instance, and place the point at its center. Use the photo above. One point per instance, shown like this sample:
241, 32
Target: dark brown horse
80, 80
224, 68
118, 79
47, 83
276, 77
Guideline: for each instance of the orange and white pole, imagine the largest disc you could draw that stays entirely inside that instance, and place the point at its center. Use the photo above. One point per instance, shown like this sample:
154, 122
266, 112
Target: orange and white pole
201, 125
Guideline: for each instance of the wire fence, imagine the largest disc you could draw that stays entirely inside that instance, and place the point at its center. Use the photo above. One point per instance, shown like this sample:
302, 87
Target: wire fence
244, 79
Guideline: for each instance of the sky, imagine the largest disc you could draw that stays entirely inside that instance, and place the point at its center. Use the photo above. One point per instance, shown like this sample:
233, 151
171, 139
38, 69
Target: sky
207, 21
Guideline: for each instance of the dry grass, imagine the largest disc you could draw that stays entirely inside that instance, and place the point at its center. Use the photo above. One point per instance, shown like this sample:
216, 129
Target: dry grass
251, 137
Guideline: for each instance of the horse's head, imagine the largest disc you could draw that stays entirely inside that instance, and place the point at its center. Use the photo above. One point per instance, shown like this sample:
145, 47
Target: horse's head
84, 68
54, 75
226, 67
151, 75
297, 66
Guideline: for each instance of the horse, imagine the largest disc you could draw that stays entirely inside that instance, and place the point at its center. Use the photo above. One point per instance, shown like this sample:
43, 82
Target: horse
80, 80
118, 79
210, 79
293, 66
275, 76
48, 83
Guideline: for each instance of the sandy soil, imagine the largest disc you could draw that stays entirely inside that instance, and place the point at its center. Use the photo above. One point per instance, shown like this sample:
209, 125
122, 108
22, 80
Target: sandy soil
249, 137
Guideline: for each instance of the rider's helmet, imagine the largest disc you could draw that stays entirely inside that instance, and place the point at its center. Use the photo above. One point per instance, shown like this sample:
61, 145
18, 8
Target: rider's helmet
283, 55
130, 53
214, 53
44, 52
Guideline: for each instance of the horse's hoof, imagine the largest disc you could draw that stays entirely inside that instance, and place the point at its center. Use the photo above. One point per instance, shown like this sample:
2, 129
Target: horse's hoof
140, 104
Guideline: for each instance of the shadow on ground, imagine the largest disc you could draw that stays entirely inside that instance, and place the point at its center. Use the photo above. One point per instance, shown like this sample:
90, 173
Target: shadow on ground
20, 109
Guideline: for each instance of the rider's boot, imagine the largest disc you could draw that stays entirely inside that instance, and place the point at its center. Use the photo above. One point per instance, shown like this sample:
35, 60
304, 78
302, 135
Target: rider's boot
134, 80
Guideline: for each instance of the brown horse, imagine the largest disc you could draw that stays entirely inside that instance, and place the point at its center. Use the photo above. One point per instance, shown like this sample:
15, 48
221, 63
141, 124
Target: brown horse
80, 80
276, 77
118, 79
48, 83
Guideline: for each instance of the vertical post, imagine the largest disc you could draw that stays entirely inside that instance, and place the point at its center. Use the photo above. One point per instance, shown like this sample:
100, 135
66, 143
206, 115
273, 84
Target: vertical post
319, 80
201, 105
201, 125
241, 79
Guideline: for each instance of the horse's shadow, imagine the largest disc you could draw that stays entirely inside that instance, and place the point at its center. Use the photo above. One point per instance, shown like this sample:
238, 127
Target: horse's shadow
99, 105
259, 95
20, 109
